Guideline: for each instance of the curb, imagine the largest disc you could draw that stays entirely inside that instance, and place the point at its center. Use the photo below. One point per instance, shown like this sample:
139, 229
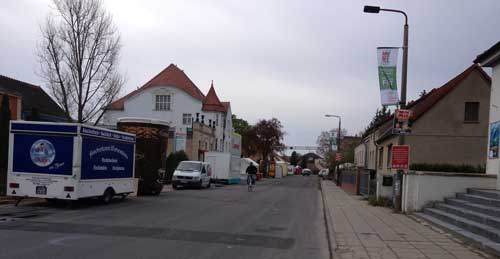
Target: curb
332, 244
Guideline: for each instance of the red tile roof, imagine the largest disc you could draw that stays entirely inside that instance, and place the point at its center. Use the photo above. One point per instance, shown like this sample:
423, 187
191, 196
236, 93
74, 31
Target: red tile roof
211, 102
226, 105
170, 76
425, 103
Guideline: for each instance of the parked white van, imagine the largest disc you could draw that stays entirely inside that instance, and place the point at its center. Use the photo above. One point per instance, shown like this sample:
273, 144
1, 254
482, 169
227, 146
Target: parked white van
192, 173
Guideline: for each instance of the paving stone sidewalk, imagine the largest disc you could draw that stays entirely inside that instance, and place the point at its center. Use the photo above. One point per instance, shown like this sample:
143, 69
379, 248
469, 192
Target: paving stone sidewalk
364, 231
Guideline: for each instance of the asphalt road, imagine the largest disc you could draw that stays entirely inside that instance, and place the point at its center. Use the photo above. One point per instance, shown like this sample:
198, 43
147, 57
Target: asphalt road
282, 218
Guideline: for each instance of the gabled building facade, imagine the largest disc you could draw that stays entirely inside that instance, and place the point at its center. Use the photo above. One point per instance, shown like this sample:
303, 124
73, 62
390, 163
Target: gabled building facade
449, 126
171, 96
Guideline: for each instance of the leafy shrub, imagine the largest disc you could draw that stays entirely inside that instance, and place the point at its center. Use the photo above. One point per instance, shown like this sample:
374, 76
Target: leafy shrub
173, 161
449, 168
381, 201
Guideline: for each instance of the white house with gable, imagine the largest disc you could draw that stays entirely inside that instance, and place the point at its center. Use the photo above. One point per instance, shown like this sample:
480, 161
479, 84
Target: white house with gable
172, 97
491, 58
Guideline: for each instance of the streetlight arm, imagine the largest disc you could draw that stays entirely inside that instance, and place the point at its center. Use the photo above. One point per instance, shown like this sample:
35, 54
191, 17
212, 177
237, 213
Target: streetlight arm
396, 11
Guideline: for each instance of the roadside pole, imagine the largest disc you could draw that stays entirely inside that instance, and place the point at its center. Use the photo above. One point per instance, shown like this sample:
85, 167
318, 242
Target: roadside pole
402, 105
339, 176
338, 146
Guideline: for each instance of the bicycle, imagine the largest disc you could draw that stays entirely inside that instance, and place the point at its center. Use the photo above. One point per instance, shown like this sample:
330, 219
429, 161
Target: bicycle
250, 182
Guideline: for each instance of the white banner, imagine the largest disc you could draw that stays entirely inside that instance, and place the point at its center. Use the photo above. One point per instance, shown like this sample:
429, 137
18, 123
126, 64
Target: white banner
387, 63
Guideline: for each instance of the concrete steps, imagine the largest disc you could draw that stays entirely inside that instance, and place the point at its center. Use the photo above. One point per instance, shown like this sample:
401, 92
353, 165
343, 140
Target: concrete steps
474, 215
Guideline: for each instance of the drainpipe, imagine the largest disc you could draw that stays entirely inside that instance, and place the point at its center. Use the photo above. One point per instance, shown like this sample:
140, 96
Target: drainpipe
376, 165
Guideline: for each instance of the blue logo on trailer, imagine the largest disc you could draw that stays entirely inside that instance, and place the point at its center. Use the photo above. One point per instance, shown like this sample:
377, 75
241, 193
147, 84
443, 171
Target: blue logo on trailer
42, 153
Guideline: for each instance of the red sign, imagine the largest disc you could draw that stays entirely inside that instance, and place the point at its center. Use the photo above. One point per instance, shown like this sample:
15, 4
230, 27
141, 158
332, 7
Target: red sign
338, 157
403, 115
400, 157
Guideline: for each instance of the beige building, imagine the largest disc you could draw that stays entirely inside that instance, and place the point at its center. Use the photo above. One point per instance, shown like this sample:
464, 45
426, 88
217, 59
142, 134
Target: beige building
449, 126
200, 138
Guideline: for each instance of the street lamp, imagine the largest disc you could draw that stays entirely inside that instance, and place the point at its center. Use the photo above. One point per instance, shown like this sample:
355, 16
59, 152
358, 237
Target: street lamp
338, 141
377, 9
402, 103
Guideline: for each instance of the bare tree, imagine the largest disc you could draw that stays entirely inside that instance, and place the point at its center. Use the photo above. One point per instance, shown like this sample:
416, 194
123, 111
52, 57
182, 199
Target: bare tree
78, 58
327, 138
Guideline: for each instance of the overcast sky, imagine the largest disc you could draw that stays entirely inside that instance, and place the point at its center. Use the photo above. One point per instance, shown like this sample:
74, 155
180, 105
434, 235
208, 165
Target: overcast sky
292, 59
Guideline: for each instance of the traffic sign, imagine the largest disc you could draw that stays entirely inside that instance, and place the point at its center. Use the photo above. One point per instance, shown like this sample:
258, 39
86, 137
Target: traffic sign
403, 115
400, 157
401, 122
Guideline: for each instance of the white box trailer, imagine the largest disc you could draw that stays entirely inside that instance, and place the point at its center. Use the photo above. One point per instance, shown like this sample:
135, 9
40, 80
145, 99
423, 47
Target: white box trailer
225, 167
69, 161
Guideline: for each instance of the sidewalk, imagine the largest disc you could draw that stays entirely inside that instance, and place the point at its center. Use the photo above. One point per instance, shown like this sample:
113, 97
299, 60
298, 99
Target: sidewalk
358, 230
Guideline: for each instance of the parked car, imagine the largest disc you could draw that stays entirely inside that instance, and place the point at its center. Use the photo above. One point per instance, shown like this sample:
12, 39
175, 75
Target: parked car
192, 173
323, 173
306, 172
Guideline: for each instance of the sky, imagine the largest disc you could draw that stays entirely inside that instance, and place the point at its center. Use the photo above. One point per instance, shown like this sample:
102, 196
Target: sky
293, 60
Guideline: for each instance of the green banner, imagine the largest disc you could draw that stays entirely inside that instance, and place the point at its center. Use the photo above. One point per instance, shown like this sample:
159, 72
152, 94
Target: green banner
387, 74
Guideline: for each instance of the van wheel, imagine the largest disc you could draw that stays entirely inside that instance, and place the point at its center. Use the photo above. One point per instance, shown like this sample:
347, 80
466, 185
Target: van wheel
107, 196
209, 184
201, 184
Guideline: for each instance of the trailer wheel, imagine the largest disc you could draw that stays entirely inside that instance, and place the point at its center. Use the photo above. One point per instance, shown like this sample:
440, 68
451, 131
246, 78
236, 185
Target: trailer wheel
107, 196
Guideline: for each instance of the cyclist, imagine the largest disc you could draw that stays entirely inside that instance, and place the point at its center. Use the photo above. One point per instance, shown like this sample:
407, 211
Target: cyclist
251, 172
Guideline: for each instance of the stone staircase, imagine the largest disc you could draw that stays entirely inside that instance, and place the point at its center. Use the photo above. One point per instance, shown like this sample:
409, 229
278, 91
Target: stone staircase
474, 215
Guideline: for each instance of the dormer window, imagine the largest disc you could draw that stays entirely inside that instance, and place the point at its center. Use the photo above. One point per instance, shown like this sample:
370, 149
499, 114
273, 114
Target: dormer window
163, 102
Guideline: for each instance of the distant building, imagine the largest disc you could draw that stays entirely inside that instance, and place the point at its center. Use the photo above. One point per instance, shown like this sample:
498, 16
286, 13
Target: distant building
491, 58
171, 96
30, 102
310, 161
449, 126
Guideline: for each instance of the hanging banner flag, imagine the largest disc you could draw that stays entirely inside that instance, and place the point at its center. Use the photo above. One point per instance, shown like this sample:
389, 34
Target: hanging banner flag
387, 63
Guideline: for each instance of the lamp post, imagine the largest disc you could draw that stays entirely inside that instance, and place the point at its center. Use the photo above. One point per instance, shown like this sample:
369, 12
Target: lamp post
402, 102
338, 142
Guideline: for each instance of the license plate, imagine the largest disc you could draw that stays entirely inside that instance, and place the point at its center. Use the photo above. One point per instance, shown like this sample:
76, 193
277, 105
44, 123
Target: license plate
42, 190
184, 181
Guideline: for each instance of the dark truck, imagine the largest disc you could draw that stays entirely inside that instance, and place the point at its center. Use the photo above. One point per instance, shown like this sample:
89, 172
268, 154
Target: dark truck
151, 149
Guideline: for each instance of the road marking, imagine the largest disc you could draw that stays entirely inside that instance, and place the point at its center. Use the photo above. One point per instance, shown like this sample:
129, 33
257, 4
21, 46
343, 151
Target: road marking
60, 241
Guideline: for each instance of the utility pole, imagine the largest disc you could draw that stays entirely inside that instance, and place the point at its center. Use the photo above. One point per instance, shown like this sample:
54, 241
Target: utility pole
337, 169
402, 102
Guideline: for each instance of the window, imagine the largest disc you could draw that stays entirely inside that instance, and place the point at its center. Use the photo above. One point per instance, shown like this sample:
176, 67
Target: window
389, 155
187, 119
217, 120
471, 112
380, 157
162, 103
